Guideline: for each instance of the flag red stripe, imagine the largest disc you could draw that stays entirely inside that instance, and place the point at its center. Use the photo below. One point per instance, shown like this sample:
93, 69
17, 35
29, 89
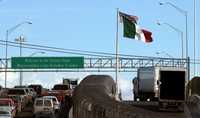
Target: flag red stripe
147, 35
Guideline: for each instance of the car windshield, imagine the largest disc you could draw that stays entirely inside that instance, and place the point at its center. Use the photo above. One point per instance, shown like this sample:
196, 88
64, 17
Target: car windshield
47, 103
4, 113
39, 102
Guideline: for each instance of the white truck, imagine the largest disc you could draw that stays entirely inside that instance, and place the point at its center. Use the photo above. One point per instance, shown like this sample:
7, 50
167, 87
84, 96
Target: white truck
163, 84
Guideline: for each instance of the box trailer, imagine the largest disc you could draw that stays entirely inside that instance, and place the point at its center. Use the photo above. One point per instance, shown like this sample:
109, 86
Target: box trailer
163, 84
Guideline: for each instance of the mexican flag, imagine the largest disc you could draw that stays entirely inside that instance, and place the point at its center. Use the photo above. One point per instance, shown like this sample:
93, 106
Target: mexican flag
132, 30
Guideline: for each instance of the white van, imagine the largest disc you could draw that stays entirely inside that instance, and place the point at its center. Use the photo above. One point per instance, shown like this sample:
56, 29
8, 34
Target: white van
44, 107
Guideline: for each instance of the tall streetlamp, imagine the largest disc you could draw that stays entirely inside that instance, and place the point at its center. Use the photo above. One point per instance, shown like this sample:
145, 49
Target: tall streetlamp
21, 40
186, 27
194, 48
9, 31
177, 30
34, 53
163, 52
186, 36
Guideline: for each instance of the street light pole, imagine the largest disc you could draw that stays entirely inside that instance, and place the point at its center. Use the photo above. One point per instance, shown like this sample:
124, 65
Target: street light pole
6, 66
36, 53
6, 55
177, 30
186, 37
194, 48
186, 20
164, 53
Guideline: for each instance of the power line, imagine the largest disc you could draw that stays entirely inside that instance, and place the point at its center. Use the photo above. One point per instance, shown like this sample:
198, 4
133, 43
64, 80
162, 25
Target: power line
82, 52
52, 50
78, 52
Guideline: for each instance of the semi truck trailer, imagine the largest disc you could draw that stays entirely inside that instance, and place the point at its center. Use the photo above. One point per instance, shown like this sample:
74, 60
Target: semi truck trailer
163, 84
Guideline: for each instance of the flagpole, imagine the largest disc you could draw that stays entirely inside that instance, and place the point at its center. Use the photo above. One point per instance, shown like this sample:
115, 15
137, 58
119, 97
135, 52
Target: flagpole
117, 56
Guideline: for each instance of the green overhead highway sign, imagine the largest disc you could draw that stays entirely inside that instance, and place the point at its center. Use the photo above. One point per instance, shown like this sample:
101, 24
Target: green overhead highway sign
47, 62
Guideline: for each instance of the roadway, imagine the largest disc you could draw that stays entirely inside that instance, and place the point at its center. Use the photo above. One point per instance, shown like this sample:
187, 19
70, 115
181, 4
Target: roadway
150, 109
28, 112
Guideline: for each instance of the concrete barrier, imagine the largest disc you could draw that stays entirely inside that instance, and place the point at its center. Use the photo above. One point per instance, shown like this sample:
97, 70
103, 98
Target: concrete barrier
94, 98
194, 105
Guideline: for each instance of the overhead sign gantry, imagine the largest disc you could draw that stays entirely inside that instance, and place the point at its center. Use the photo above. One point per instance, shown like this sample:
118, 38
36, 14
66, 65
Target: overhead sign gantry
87, 64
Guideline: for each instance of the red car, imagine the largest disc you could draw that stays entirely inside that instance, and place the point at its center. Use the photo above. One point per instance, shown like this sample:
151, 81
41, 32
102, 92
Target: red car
7, 104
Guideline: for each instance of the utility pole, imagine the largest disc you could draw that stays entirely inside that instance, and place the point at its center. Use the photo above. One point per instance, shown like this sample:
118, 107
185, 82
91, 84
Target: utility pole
21, 40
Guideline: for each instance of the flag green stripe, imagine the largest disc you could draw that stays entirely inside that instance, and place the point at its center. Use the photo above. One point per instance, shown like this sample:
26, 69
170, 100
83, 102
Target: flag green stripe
129, 28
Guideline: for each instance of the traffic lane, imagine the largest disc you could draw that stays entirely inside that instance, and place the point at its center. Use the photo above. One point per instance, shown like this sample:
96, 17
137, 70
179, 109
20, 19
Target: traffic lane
150, 110
27, 112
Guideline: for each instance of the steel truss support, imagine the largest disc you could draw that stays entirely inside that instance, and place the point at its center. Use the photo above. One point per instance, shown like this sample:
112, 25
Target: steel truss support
109, 64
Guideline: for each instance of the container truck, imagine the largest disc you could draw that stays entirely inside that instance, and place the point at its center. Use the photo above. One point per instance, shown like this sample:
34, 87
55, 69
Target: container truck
163, 84
72, 82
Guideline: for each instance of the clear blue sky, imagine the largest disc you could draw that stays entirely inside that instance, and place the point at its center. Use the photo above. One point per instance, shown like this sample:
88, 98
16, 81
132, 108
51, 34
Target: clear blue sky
91, 25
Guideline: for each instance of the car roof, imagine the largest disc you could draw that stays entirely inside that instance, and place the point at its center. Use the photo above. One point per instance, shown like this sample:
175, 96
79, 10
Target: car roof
20, 86
49, 97
17, 89
41, 98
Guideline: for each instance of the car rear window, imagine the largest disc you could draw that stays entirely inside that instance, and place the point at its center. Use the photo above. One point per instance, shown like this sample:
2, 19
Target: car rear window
61, 87
54, 99
3, 113
4, 104
16, 92
47, 103
39, 102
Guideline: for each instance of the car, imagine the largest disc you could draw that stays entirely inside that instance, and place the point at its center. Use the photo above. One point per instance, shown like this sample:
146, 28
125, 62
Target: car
30, 92
7, 104
55, 102
43, 107
5, 114
61, 91
37, 88
19, 92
